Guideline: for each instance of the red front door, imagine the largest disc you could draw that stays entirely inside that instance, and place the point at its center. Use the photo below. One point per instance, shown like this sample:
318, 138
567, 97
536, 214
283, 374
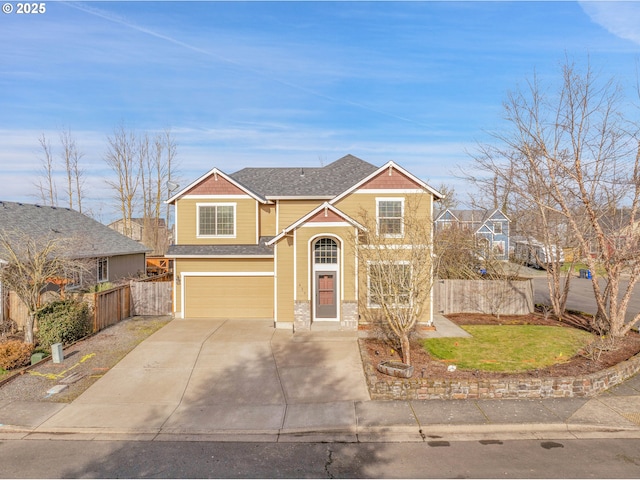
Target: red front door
326, 295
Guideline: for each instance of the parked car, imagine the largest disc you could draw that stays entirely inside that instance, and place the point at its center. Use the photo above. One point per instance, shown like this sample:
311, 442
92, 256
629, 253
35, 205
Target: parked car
533, 253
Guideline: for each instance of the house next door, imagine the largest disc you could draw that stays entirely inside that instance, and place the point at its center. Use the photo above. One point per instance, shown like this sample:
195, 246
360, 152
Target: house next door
326, 306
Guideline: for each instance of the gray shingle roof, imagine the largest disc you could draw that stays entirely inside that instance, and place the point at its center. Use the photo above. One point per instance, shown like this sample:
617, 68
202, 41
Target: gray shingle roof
90, 238
327, 181
470, 216
222, 250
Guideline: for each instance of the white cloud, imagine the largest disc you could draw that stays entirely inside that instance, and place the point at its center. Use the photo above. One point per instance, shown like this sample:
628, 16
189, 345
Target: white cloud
619, 18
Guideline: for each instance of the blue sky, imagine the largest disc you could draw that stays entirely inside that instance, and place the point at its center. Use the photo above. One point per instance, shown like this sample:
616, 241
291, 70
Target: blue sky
286, 83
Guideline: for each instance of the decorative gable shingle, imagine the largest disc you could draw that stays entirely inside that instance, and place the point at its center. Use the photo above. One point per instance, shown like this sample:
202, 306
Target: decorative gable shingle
390, 179
215, 185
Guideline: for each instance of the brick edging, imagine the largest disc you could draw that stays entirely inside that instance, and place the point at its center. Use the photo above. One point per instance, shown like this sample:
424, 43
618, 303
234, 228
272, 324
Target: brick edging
513, 387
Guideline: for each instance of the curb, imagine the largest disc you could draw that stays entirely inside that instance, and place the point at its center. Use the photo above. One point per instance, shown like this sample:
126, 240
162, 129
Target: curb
433, 435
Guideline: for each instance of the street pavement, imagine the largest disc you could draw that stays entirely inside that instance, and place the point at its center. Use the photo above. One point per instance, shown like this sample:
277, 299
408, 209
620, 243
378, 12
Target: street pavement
243, 380
581, 297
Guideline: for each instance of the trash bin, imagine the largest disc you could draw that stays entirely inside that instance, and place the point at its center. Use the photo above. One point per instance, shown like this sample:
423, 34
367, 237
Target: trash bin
585, 273
36, 357
56, 353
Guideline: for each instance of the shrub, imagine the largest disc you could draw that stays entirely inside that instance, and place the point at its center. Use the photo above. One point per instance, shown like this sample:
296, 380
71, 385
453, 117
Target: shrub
64, 321
14, 354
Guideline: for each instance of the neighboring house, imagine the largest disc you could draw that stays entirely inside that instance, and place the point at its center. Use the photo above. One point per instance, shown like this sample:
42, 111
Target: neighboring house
156, 239
490, 227
110, 255
275, 242
622, 235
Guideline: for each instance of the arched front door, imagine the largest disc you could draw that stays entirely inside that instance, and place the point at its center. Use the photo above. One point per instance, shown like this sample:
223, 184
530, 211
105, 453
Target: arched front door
325, 279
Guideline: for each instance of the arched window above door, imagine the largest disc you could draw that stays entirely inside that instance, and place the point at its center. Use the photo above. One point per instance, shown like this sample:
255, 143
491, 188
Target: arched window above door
325, 251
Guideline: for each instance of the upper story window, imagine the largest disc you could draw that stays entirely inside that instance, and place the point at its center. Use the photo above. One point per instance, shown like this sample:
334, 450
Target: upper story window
389, 213
103, 269
326, 251
217, 220
497, 228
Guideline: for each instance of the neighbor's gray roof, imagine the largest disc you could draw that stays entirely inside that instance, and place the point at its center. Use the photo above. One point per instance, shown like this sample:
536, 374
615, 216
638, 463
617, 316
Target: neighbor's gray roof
222, 250
88, 237
327, 181
471, 216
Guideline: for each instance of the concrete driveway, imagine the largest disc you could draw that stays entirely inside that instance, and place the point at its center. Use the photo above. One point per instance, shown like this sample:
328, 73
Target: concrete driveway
199, 376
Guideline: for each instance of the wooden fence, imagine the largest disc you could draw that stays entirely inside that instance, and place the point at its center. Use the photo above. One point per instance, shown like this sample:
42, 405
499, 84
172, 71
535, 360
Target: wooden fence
496, 297
151, 298
111, 306
114, 305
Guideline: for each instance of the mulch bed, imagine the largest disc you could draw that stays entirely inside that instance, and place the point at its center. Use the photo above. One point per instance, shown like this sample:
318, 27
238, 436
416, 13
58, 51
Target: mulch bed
424, 365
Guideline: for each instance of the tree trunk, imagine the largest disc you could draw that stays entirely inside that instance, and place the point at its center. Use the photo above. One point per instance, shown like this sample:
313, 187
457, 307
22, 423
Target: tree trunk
28, 329
406, 348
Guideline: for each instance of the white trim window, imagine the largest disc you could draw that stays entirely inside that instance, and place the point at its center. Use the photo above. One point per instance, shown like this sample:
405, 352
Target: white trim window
102, 269
325, 250
497, 228
217, 220
389, 284
389, 217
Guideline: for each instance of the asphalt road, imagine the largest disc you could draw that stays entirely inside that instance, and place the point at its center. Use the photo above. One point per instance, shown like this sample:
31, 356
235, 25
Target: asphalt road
581, 296
602, 458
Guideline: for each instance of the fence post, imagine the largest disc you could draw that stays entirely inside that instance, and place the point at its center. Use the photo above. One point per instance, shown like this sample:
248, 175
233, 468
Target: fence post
95, 312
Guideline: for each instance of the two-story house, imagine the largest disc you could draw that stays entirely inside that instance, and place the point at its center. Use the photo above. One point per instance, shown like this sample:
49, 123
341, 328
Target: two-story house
490, 227
276, 242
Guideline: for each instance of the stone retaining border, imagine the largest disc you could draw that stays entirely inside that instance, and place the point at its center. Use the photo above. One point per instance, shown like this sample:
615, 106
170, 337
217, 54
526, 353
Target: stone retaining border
509, 388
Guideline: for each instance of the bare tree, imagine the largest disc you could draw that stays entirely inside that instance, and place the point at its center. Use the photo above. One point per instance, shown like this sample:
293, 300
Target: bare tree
449, 199
46, 184
457, 253
31, 264
398, 271
143, 165
573, 154
122, 158
156, 161
71, 157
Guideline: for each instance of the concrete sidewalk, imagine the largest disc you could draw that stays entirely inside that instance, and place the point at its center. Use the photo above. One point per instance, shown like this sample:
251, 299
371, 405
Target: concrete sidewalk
246, 381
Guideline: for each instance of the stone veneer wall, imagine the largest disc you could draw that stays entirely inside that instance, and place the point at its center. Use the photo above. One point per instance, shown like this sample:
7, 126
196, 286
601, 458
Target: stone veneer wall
433, 388
349, 319
301, 315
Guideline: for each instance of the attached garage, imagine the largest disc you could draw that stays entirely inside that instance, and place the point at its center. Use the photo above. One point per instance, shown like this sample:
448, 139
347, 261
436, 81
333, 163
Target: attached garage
228, 296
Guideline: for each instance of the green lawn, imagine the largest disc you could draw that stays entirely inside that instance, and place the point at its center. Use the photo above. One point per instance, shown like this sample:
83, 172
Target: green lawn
509, 348
580, 266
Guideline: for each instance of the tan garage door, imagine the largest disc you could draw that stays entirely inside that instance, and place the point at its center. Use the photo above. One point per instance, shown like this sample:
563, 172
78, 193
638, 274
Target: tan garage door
229, 297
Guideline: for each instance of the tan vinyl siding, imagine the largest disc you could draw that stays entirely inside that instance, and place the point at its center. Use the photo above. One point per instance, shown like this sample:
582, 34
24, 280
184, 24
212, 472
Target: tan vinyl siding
245, 221
354, 204
223, 265
346, 258
284, 279
290, 211
267, 220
